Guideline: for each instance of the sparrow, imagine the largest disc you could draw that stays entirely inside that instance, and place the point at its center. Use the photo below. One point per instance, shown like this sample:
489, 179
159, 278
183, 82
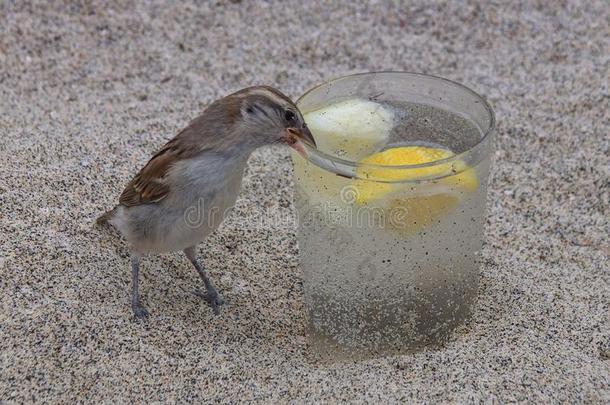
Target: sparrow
189, 186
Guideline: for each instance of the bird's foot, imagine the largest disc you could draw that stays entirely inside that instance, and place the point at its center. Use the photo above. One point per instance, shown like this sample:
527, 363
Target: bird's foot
212, 297
140, 313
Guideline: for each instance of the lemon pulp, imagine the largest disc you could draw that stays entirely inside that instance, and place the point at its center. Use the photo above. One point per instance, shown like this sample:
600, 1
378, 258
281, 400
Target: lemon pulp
418, 196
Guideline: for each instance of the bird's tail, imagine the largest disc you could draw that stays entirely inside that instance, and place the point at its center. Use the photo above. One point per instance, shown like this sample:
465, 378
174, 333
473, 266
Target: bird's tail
104, 219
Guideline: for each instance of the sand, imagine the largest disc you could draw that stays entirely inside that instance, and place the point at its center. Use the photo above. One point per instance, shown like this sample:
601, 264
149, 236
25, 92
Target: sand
88, 91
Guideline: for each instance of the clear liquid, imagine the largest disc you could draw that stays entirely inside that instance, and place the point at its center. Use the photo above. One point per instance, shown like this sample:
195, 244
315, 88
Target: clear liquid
423, 124
413, 124
373, 287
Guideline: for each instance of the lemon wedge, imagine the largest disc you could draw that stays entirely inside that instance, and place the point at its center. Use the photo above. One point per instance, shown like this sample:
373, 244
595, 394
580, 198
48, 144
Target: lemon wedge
430, 191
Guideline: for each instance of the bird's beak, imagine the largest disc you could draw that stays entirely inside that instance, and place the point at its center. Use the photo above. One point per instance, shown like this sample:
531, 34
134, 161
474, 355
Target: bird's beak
296, 137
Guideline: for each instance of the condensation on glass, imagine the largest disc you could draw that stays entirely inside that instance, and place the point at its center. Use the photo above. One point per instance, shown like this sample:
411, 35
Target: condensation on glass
399, 271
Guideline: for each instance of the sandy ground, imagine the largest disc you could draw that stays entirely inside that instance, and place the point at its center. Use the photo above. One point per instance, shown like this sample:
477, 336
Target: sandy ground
89, 90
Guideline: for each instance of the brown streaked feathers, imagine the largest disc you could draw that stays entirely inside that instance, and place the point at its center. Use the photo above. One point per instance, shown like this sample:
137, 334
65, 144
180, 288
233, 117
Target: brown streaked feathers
150, 184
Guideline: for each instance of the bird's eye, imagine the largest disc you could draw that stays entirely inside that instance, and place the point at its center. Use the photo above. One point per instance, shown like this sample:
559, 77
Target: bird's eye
289, 115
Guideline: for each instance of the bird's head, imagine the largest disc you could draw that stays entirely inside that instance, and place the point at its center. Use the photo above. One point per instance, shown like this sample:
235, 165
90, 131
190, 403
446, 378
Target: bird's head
267, 116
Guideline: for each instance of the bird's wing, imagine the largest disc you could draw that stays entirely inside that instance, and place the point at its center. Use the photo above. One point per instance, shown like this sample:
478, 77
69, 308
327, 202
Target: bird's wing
150, 184
202, 134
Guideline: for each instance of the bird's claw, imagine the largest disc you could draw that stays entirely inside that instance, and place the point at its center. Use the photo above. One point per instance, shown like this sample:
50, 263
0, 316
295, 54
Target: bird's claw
213, 299
140, 313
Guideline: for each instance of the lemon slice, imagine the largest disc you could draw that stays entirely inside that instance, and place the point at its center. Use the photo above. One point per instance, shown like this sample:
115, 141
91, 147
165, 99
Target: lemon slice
422, 200
351, 128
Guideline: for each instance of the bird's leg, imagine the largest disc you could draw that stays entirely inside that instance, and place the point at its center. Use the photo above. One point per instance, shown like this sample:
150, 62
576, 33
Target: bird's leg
211, 296
138, 310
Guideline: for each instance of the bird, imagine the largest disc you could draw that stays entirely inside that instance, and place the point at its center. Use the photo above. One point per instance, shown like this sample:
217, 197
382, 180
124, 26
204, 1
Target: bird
189, 186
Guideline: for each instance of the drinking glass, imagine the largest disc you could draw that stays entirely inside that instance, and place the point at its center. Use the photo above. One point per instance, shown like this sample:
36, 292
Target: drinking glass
397, 272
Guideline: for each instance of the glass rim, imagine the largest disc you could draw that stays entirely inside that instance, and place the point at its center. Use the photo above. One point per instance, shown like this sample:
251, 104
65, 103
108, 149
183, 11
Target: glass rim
354, 164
